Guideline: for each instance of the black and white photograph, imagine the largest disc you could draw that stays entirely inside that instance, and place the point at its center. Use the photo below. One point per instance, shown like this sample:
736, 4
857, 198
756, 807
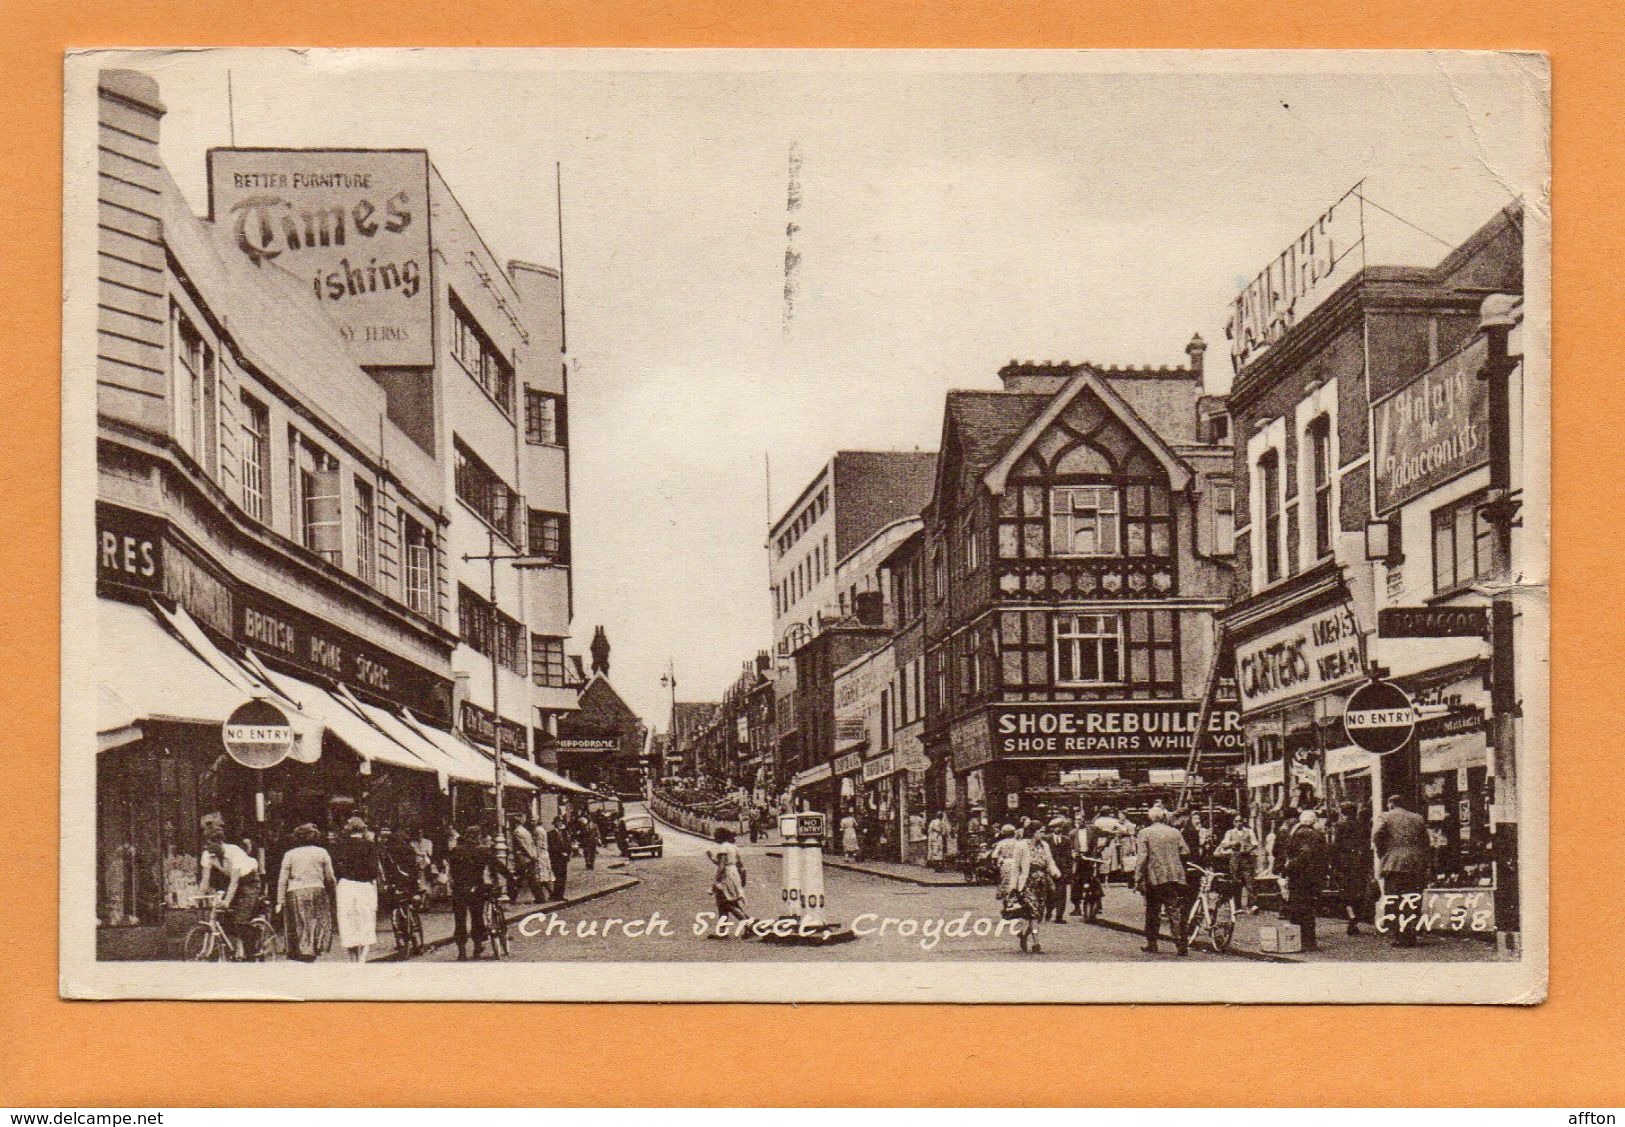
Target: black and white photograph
945, 526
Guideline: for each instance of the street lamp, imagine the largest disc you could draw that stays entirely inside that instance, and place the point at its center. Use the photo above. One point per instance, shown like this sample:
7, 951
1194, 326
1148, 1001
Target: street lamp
521, 562
668, 680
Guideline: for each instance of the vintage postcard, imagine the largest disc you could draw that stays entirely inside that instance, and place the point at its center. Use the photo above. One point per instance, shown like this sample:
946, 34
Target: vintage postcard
806, 526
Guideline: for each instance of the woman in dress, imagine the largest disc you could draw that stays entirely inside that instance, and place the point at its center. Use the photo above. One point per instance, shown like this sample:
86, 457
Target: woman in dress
849, 837
728, 884
304, 896
936, 842
1036, 874
355, 863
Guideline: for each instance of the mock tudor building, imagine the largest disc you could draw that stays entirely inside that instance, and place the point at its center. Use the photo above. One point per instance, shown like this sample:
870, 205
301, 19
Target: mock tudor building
1077, 551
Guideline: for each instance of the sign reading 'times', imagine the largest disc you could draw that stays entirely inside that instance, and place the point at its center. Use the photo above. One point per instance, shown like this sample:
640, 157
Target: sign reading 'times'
351, 224
1431, 431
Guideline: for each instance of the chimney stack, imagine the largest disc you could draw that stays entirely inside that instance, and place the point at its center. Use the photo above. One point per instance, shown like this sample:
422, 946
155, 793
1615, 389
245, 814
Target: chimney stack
1195, 350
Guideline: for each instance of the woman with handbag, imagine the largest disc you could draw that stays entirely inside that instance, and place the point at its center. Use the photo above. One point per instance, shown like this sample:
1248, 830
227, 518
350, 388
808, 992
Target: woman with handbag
1035, 875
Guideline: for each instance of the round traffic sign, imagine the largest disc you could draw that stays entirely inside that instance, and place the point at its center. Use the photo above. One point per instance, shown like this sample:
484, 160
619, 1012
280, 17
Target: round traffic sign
1379, 717
258, 734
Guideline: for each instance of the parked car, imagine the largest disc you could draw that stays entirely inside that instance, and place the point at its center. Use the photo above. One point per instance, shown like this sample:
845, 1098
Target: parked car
642, 838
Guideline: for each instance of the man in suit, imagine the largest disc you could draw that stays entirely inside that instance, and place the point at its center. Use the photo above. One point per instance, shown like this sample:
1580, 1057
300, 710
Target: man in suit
558, 854
1405, 860
1160, 878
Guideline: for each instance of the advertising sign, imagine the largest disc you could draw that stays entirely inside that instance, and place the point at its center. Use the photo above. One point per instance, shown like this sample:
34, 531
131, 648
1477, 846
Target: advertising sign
258, 734
129, 548
479, 725
1113, 728
1433, 622
879, 768
1309, 656
1431, 431
352, 224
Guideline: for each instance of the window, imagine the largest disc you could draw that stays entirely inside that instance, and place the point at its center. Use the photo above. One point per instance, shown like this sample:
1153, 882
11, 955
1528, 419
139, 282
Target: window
482, 490
547, 662
968, 535
885, 719
1463, 543
1088, 649
939, 575
419, 566
1320, 468
1147, 522
1224, 519
196, 406
1084, 520
366, 534
544, 418
315, 504
1269, 489
550, 535
485, 629
256, 459
479, 357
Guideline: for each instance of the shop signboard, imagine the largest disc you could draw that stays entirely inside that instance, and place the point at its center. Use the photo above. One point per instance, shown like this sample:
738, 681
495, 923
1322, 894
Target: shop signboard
351, 224
1113, 729
1379, 717
129, 548
258, 734
1433, 622
849, 764
880, 767
971, 743
272, 627
584, 746
1431, 431
1312, 655
478, 725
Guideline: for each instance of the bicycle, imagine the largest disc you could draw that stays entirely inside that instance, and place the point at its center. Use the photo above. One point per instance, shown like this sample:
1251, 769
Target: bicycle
1093, 892
496, 922
207, 941
406, 920
1213, 912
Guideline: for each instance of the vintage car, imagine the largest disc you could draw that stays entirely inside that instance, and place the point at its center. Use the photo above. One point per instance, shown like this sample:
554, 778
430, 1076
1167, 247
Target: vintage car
642, 838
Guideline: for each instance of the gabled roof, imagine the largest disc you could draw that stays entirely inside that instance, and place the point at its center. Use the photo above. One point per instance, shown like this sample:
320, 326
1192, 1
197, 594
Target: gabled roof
601, 711
977, 426
1179, 472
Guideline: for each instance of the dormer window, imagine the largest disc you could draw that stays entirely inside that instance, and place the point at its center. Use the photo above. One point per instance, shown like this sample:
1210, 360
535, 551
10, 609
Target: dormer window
1085, 521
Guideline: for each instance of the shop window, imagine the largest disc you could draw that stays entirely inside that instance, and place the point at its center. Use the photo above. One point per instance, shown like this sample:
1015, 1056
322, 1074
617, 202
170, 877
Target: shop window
1463, 543
1088, 649
480, 358
1320, 468
1269, 490
256, 459
547, 662
1084, 520
544, 418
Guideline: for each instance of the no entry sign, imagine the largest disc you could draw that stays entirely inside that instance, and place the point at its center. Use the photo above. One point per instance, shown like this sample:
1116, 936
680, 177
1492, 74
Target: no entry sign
1379, 717
258, 734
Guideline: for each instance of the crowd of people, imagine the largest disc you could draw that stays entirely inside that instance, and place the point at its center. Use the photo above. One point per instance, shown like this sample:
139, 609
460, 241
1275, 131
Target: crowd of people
335, 885
1323, 860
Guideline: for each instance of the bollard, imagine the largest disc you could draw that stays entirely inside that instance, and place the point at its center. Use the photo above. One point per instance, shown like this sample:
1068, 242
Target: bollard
803, 891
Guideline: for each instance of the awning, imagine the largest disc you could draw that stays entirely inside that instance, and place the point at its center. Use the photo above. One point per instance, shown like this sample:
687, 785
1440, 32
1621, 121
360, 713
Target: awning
445, 767
146, 673
477, 766
810, 776
548, 779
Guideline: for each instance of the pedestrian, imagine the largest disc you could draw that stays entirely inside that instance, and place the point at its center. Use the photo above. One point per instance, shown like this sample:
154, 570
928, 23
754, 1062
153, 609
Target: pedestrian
1083, 865
524, 860
1284, 826
1308, 862
469, 871
544, 860
1405, 859
305, 889
936, 842
1033, 881
355, 863
1160, 877
1352, 866
558, 855
1238, 853
229, 872
1061, 849
1003, 855
589, 840
849, 837
728, 883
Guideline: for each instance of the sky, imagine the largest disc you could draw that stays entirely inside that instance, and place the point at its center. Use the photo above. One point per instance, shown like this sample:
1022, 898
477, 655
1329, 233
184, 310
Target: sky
958, 210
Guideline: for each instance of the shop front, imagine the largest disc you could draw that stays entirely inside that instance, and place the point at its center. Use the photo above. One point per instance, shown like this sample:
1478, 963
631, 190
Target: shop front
883, 808
1455, 786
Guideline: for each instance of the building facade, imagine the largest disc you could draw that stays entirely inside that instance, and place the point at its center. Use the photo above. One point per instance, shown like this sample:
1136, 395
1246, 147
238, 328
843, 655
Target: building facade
1360, 485
1076, 555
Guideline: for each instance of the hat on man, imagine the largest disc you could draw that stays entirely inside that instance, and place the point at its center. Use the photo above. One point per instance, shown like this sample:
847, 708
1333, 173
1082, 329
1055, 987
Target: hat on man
1308, 818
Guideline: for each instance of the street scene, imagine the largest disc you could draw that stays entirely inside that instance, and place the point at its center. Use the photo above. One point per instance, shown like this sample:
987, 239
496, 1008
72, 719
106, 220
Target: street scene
627, 536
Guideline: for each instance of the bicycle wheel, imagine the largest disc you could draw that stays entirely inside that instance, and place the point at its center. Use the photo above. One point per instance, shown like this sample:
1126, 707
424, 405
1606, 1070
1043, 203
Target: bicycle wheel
202, 946
418, 946
498, 927
267, 941
401, 928
1224, 925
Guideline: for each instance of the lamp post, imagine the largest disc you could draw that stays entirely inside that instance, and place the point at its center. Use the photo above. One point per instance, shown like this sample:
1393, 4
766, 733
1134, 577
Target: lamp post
1497, 317
521, 562
668, 680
